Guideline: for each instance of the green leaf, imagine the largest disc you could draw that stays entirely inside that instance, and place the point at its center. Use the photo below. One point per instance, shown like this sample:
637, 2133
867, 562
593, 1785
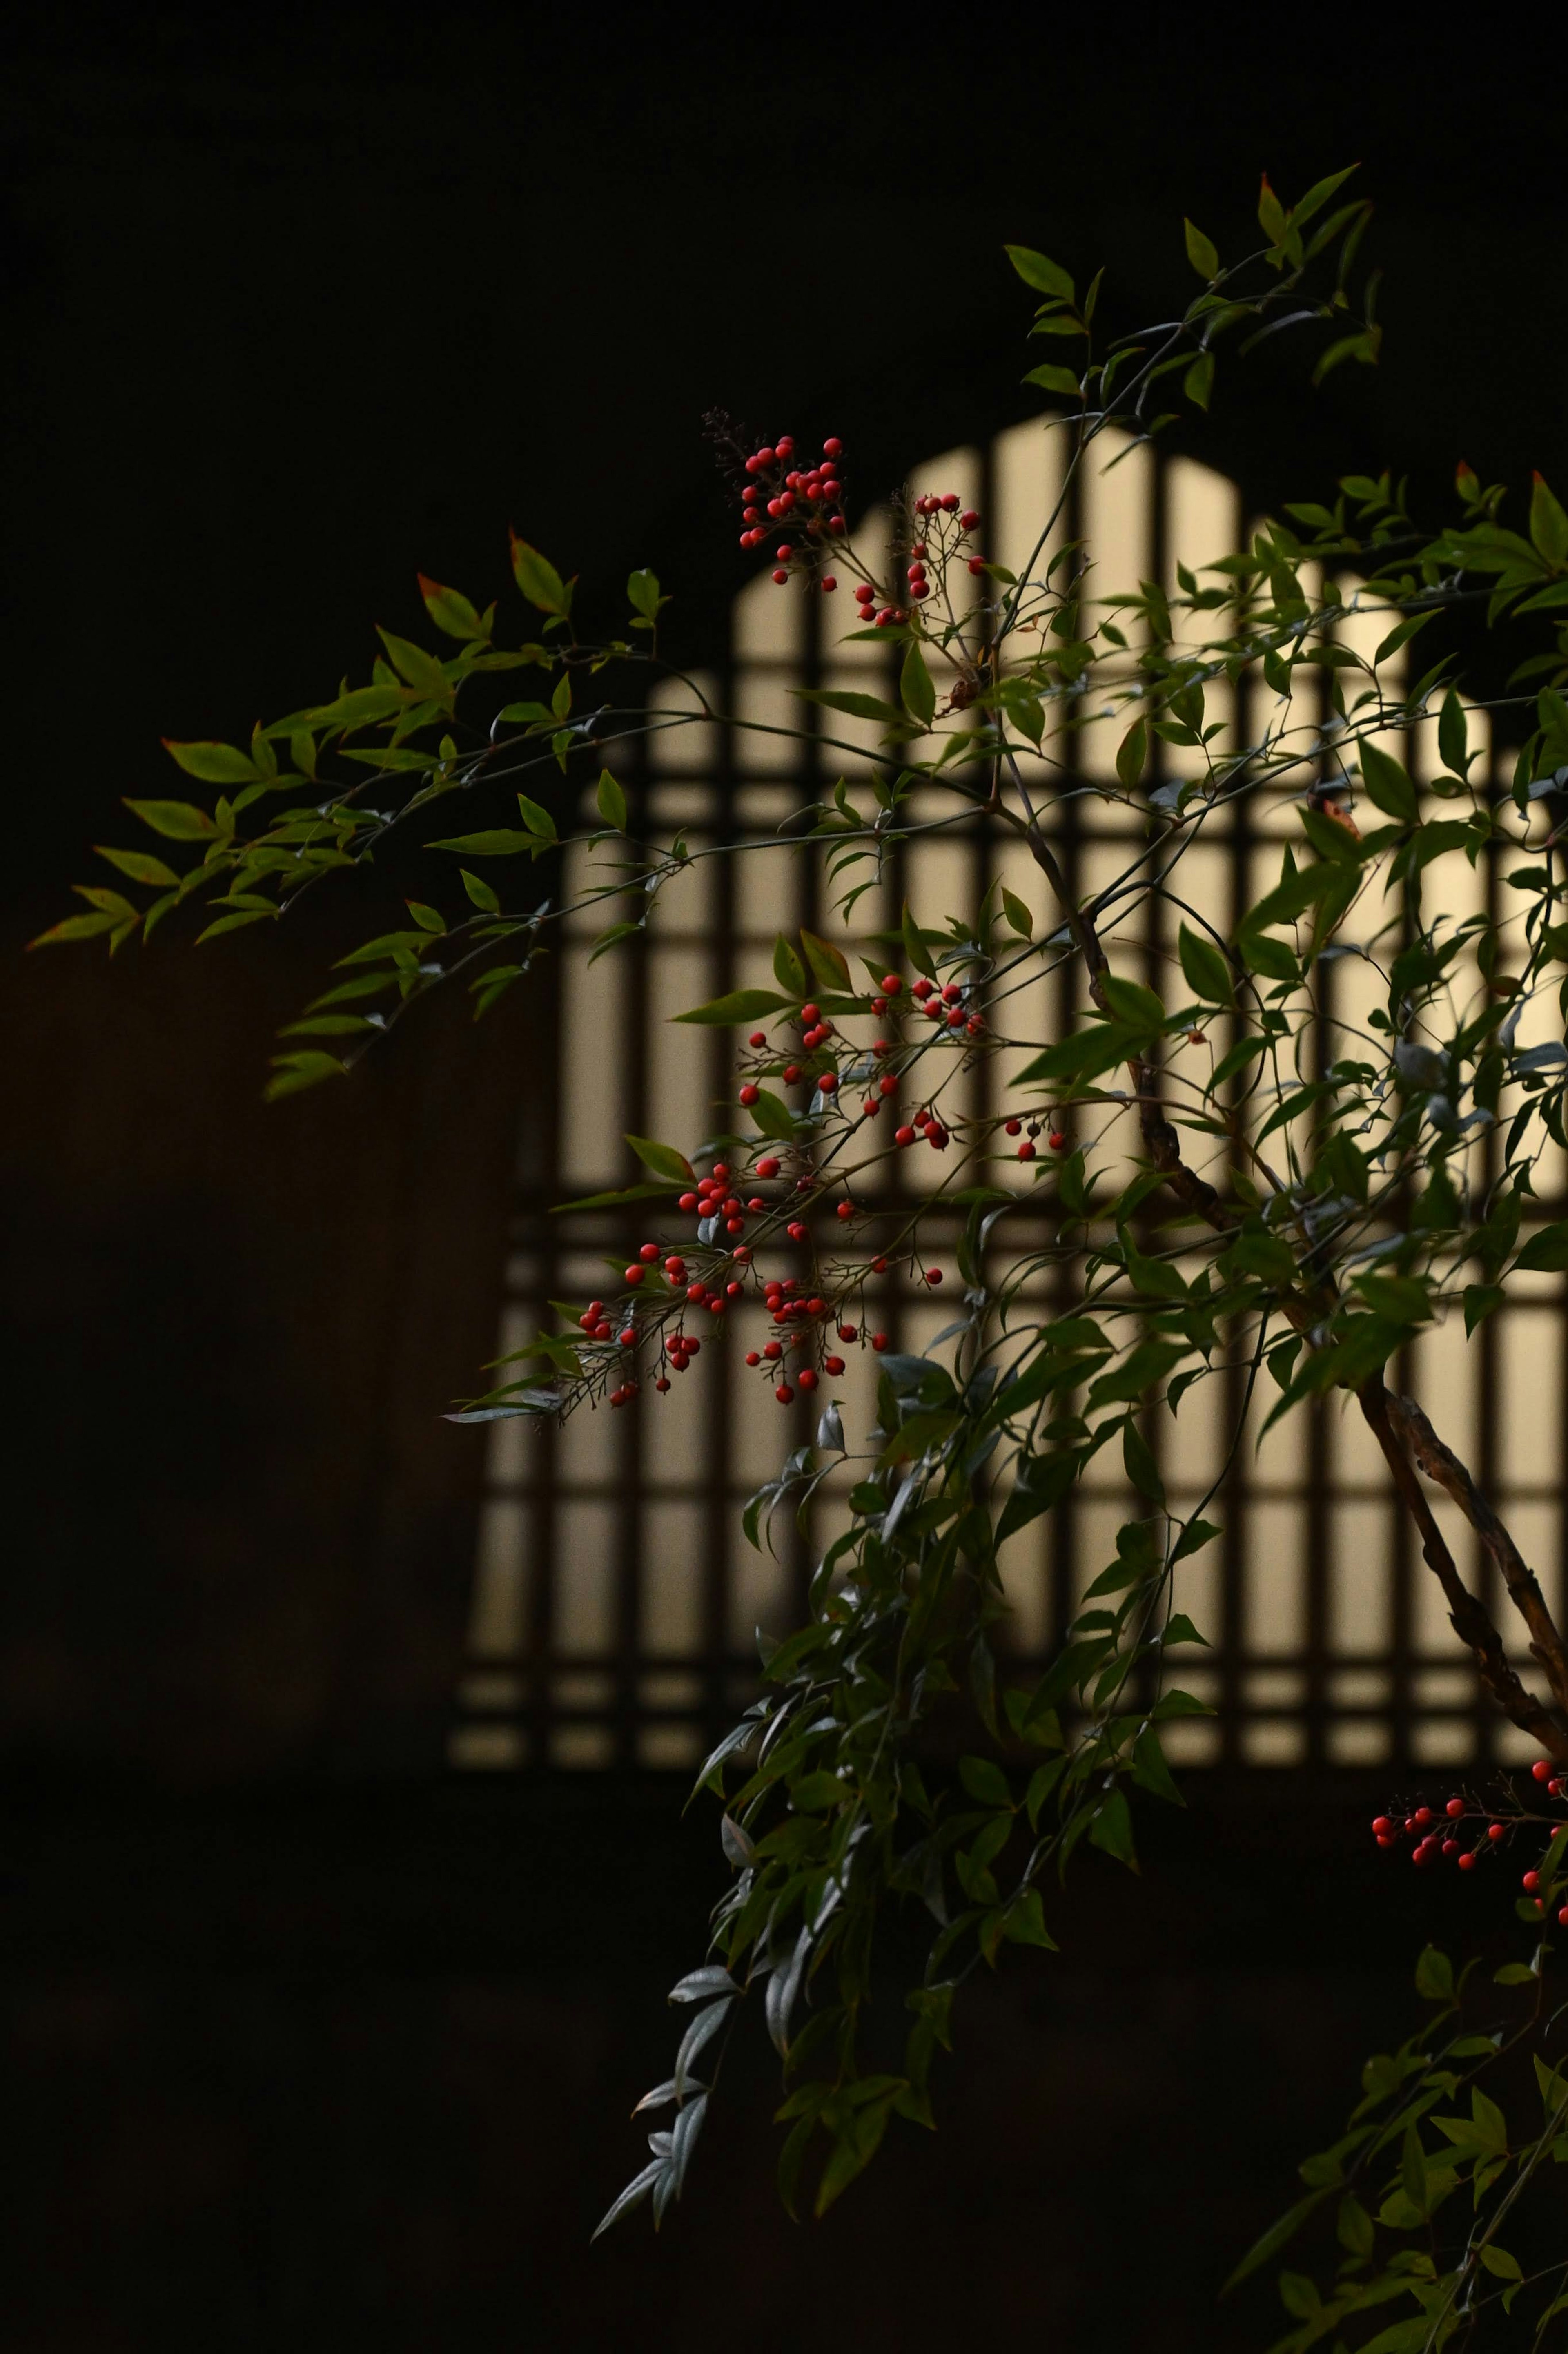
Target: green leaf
1204, 967
788, 969
1051, 378
1435, 1977
738, 1005
915, 685
73, 928
1198, 384
813, 1794
1201, 251
1111, 1829
661, 1158
1547, 1249
178, 820
1498, 2260
985, 1782
305, 1069
494, 841
1037, 269
451, 612
538, 578
611, 801
1150, 1770
826, 961
1388, 786
1025, 1922
141, 866
773, 1116
642, 594
480, 892
215, 764
412, 663
853, 705
538, 821
1017, 914
1131, 753
1278, 2236
915, 947
1548, 526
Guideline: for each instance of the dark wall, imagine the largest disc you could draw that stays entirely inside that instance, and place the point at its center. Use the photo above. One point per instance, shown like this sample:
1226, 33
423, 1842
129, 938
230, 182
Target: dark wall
306, 2046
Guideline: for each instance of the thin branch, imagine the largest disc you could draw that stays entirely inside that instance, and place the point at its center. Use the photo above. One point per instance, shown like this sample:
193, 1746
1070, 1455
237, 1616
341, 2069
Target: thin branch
1467, 1616
1441, 1465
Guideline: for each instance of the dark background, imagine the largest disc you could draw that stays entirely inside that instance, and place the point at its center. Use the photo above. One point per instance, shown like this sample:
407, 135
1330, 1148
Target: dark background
309, 2045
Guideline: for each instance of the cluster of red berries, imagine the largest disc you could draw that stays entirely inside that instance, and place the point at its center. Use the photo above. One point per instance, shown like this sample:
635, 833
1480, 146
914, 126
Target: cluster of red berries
1439, 1837
1056, 1140
925, 1124
949, 1004
714, 1200
796, 1319
808, 502
917, 585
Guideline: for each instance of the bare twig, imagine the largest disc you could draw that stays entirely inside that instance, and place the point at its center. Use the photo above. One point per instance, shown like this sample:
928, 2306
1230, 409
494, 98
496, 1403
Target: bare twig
1442, 1465
1467, 1616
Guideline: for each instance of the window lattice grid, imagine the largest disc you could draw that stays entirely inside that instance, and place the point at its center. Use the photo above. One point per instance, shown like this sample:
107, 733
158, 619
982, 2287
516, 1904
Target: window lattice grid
616, 1600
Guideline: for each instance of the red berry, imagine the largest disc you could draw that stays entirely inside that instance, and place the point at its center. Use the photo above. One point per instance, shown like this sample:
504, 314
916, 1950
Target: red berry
757, 1038
791, 1073
923, 988
780, 577
1555, 1789
806, 1378
1497, 1830
773, 1351
1386, 1838
1450, 1847
833, 1365
950, 503
1421, 1817
768, 1168
888, 1084
784, 1394
968, 519
1563, 1917
846, 1209
1542, 1769
662, 1382
601, 1331
1454, 1808
1056, 1141
829, 1082
634, 1274
829, 584
1531, 1882
628, 1339
1381, 1824
1467, 1863
749, 1094
696, 1291
879, 1266
752, 1358
796, 1231
687, 1201
648, 1253
1026, 1151
903, 1135
879, 1341
833, 447
933, 1275
976, 564
890, 984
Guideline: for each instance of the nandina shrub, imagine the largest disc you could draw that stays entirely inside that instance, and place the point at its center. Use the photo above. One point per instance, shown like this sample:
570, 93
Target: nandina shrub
1217, 1194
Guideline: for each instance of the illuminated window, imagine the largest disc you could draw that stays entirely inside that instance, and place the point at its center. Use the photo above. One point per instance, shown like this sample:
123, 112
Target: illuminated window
616, 1601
